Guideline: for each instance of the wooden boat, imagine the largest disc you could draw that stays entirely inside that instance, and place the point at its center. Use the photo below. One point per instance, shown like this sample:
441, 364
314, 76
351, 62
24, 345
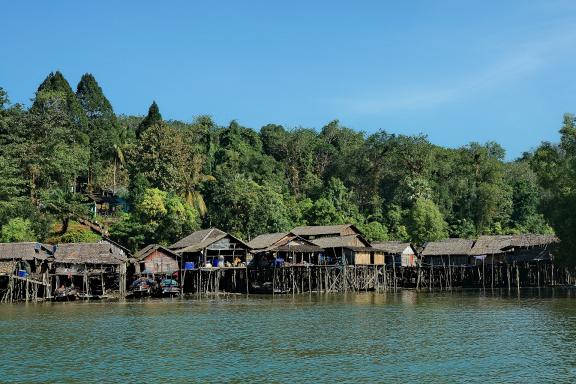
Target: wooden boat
65, 294
169, 288
142, 287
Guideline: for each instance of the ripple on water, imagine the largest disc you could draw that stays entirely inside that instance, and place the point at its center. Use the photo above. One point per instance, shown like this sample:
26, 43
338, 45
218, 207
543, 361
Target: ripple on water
407, 336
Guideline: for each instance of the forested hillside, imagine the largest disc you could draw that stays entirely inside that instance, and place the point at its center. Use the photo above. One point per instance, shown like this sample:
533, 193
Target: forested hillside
179, 176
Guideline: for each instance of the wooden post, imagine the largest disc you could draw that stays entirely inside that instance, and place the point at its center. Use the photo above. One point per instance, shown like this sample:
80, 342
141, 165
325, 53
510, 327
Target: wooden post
517, 277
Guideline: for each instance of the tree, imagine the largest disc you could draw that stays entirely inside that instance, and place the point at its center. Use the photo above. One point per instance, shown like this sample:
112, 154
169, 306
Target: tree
248, 209
323, 212
159, 217
555, 166
425, 222
53, 151
17, 230
103, 128
374, 231
55, 92
153, 118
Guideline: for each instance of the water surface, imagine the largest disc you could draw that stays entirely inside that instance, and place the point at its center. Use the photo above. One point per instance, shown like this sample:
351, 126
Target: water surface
466, 336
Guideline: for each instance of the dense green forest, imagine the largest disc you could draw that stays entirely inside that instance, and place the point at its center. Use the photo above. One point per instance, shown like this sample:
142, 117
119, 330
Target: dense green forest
180, 176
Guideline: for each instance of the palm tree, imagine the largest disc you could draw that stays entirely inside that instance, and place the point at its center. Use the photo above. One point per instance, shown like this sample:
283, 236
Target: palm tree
192, 181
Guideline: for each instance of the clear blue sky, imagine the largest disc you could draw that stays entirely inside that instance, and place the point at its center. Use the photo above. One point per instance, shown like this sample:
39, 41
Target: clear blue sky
457, 71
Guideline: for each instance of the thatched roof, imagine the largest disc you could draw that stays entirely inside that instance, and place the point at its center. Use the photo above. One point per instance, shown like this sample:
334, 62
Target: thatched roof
122, 248
341, 241
491, 245
391, 247
141, 254
23, 251
323, 230
88, 253
447, 247
496, 244
7, 267
533, 240
283, 242
298, 248
266, 240
199, 240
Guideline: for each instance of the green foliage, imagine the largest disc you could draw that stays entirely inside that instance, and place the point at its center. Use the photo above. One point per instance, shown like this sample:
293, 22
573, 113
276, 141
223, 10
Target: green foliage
56, 93
159, 217
425, 222
248, 209
374, 231
323, 212
555, 166
79, 236
103, 131
178, 176
153, 118
17, 230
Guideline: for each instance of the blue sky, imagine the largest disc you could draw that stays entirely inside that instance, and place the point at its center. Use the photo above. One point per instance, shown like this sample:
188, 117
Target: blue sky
453, 70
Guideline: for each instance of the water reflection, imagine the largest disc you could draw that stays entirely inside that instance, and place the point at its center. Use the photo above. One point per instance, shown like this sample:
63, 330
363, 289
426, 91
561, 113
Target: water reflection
474, 336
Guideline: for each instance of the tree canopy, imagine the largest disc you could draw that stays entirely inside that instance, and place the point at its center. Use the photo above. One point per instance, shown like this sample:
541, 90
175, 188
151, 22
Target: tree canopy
179, 176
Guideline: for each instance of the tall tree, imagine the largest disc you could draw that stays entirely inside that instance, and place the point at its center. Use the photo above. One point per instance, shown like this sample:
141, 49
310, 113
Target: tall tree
152, 118
103, 129
55, 92
425, 222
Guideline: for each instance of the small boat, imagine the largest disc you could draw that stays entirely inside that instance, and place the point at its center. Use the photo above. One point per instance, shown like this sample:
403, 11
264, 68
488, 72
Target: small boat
142, 287
65, 294
169, 288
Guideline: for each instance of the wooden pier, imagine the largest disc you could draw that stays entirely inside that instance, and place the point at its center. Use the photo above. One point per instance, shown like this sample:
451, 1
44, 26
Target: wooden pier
297, 279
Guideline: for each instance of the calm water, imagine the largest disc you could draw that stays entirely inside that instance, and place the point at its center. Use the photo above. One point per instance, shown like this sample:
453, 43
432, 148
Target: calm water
403, 337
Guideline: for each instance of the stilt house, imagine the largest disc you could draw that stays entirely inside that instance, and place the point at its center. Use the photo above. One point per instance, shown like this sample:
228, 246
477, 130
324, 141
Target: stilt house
509, 248
349, 250
212, 247
398, 252
158, 260
25, 259
284, 248
91, 268
449, 252
312, 232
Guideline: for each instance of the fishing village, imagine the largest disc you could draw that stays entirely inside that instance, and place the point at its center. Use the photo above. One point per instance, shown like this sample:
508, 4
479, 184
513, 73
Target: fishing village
332, 258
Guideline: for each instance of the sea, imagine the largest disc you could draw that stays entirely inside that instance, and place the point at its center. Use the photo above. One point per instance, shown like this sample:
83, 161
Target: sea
464, 336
